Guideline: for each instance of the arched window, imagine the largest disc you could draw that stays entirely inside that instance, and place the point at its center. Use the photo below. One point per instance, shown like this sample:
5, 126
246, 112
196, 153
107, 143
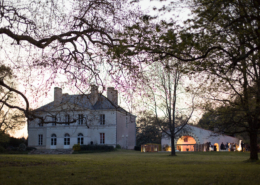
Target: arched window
53, 139
67, 139
80, 139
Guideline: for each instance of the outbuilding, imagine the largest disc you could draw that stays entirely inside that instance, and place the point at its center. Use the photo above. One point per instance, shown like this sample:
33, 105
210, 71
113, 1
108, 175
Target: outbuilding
193, 138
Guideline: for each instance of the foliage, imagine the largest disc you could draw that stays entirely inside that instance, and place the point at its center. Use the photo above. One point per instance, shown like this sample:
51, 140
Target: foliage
2, 149
148, 130
229, 41
206, 121
118, 146
60, 40
22, 147
96, 147
76, 147
220, 44
30, 148
10, 119
12, 143
4, 138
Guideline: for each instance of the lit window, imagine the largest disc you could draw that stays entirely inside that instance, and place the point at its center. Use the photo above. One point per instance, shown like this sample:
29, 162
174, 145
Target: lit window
40, 138
53, 139
102, 119
102, 138
186, 139
80, 119
80, 139
67, 139
67, 119
54, 120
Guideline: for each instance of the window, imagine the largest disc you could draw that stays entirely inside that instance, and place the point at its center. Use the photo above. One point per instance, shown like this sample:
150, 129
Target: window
102, 119
67, 139
53, 139
40, 124
40, 138
102, 138
80, 139
54, 120
186, 139
67, 119
80, 119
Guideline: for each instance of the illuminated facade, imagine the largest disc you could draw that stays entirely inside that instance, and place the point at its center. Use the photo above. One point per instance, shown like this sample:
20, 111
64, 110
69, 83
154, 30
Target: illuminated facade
193, 138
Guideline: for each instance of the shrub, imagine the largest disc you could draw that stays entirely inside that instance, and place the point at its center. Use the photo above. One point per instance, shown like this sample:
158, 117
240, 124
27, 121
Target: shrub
15, 142
76, 147
118, 146
2, 149
30, 148
22, 147
137, 148
96, 147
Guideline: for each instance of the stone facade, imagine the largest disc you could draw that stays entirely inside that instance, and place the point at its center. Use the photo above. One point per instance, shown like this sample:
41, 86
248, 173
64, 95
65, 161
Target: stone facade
84, 119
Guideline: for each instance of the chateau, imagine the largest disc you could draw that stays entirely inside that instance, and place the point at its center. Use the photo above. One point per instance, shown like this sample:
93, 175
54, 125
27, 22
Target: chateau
84, 119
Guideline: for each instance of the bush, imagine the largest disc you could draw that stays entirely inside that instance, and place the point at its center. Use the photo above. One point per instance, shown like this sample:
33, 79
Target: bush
76, 147
30, 148
22, 147
2, 149
15, 142
118, 146
96, 147
137, 148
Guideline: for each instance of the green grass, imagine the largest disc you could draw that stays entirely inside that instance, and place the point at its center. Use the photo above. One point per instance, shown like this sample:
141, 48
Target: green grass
130, 167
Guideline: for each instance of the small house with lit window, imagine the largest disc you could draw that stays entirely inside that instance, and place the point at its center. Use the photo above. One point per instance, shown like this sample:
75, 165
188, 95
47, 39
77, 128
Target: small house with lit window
193, 138
84, 119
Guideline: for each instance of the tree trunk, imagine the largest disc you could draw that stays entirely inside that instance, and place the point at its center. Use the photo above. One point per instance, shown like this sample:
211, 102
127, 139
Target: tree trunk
253, 145
172, 146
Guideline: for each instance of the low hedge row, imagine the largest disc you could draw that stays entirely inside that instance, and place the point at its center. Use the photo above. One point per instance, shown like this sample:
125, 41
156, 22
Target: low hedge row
96, 147
92, 147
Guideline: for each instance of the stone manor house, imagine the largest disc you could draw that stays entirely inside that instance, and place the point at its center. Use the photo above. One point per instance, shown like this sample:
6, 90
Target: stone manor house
84, 119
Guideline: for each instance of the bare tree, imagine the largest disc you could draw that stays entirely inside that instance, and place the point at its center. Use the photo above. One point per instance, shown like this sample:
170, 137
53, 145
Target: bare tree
10, 119
164, 91
42, 41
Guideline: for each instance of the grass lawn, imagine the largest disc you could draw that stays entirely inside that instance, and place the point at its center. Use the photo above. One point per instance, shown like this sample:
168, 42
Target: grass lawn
129, 167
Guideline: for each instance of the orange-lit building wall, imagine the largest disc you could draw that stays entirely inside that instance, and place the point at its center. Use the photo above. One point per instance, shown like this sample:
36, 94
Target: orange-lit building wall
186, 143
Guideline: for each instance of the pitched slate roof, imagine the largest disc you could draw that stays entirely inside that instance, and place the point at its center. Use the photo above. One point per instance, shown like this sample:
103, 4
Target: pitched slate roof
83, 101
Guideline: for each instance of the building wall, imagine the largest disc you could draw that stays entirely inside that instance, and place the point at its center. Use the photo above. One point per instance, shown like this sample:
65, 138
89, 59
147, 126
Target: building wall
126, 130
201, 136
89, 134
132, 132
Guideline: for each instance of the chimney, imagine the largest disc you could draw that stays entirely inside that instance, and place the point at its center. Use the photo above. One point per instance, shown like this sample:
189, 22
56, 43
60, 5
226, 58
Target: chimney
57, 95
112, 95
94, 94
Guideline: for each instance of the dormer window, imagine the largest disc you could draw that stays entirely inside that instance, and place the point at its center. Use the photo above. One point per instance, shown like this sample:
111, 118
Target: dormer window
67, 119
80, 119
54, 121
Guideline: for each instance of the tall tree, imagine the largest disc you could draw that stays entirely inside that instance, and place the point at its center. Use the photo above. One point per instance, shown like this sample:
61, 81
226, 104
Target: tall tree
10, 119
59, 42
147, 129
221, 43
